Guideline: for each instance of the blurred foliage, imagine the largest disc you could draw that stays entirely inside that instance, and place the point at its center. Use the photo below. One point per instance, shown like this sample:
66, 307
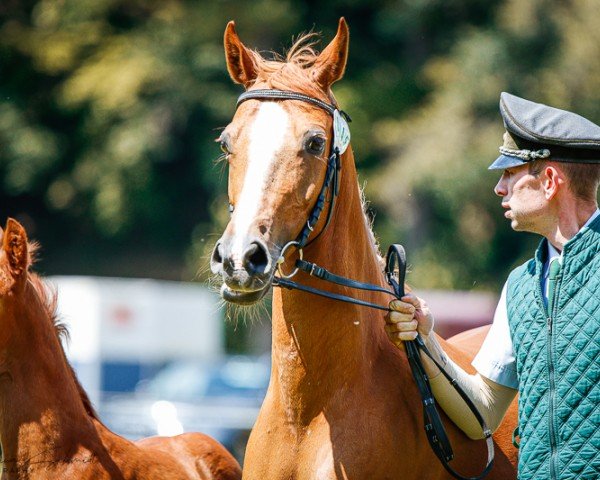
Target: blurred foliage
109, 108
434, 183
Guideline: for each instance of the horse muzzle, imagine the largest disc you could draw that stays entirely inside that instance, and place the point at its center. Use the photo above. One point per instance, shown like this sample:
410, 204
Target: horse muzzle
246, 267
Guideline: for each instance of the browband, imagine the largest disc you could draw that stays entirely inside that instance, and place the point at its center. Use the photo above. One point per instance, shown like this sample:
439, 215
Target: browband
287, 95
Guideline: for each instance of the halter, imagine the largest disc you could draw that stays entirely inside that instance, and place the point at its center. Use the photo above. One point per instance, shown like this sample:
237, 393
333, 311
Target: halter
395, 274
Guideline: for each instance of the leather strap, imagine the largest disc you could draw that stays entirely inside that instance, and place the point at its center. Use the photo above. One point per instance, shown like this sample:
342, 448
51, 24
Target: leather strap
323, 274
291, 285
262, 94
434, 428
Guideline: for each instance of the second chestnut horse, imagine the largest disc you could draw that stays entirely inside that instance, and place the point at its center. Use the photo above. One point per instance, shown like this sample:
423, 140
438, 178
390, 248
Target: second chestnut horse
48, 428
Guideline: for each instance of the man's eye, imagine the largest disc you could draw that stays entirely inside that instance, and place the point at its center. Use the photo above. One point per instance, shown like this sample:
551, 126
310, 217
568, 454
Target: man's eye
315, 145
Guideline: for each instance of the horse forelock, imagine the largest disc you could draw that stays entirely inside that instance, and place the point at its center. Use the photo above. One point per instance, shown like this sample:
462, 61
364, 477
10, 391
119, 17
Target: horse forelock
48, 297
292, 71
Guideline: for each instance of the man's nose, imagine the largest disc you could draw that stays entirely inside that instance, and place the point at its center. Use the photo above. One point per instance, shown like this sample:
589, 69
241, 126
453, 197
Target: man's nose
500, 188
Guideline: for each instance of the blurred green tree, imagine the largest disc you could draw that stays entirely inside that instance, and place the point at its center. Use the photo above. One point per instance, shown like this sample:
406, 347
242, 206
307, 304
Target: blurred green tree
109, 108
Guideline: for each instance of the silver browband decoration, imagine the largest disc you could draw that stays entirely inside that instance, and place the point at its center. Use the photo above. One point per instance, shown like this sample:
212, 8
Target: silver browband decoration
527, 155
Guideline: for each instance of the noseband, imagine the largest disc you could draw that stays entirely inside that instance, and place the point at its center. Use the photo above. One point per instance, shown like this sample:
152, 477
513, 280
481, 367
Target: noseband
395, 273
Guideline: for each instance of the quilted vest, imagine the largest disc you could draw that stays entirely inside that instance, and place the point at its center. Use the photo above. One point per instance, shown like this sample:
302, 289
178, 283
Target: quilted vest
558, 363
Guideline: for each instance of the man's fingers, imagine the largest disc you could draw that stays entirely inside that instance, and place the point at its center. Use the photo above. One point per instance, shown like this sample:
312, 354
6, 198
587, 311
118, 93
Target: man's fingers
397, 317
412, 299
402, 326
402, 307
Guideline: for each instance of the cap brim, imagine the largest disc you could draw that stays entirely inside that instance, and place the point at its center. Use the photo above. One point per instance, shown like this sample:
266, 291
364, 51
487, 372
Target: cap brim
505, 161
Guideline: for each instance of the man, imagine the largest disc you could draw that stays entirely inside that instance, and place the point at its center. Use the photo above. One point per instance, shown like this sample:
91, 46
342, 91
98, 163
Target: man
545, 338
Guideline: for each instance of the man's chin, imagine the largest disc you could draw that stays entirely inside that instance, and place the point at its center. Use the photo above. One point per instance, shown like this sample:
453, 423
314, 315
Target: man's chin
239, 297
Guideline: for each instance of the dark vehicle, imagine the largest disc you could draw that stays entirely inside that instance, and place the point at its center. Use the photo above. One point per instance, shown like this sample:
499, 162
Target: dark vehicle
219, 399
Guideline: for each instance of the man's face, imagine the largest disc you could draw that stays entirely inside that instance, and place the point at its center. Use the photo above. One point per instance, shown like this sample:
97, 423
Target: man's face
523, 198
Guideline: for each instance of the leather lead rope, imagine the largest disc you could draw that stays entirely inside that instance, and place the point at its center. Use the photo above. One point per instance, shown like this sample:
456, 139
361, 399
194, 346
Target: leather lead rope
434, 428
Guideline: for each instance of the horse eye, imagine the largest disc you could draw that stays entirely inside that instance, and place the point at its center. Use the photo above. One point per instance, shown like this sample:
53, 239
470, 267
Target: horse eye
315, 145
224, 147
223, 142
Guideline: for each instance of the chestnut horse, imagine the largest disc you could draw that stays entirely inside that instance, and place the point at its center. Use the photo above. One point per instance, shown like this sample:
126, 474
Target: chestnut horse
341, 402
48, 428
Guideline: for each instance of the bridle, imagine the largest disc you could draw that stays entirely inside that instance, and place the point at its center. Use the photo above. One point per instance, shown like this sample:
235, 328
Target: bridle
395, 274
331, 175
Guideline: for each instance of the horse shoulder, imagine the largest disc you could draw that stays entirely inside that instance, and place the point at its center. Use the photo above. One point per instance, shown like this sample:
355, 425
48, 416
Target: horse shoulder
197, 454
463, 347
470, 341
184, 457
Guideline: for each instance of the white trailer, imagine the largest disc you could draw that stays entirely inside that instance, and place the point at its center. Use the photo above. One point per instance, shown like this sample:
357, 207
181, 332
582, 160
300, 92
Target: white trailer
123, 329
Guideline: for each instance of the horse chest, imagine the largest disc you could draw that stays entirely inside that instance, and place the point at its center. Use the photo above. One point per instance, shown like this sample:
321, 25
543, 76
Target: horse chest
318, 451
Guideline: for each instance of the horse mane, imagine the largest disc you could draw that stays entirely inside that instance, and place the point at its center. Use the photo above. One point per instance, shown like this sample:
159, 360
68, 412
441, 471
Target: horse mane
293, 69
49, 298
369, 220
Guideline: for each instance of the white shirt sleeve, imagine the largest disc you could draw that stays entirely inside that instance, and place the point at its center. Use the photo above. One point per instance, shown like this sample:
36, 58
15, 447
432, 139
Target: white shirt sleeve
496, 359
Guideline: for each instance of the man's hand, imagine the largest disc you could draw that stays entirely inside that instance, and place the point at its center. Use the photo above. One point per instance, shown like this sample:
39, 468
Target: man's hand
409, 316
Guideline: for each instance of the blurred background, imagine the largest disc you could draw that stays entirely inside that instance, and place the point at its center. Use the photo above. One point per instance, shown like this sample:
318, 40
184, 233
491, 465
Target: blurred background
108, 112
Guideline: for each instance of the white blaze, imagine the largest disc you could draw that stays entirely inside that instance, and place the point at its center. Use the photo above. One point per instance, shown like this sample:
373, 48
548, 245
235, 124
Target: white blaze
267, 135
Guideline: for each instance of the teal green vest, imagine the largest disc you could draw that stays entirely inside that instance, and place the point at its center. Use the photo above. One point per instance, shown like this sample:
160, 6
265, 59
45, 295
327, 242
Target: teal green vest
558, 364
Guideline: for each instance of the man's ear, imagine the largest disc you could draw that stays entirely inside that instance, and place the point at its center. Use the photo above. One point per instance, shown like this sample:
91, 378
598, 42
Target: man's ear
553, 180
14, 244
241, 63
330, 64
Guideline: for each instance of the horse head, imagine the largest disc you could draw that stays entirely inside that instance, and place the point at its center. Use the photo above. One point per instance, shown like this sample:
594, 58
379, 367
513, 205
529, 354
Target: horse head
277, 150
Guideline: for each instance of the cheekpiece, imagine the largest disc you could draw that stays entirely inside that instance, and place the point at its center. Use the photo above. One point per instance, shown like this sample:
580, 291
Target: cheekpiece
535, 132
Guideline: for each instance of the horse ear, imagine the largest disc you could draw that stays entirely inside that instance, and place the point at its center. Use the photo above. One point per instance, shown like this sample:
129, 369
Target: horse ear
14, 243
241, 63
330, 64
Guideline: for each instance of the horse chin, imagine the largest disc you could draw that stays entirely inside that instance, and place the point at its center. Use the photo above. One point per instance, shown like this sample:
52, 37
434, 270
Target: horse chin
243, 298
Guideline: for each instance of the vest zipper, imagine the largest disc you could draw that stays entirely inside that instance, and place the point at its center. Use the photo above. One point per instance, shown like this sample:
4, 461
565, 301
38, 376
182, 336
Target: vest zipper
551, 386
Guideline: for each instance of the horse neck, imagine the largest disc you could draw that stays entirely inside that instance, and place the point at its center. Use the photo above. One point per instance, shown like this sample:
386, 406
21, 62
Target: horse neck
321, 345
41, 412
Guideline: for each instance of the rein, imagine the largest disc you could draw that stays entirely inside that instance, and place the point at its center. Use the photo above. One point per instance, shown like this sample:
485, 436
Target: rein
395, 272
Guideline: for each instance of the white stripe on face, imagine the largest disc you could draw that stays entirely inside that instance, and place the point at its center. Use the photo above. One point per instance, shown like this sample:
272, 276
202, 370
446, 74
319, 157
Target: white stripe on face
267, 135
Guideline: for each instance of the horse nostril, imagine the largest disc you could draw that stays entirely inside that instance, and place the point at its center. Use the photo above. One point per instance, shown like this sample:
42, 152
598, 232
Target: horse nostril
256, 258
216, 261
